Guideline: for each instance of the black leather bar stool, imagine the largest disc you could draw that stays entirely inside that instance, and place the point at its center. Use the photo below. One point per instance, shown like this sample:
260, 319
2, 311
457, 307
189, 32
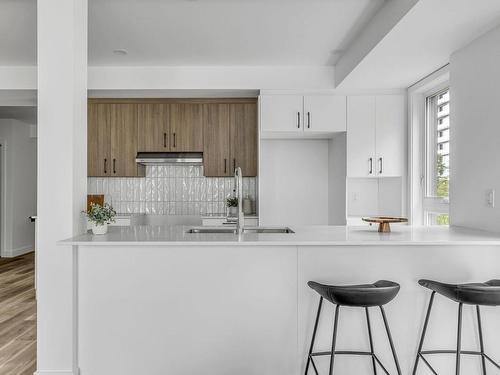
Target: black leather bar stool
478, 294
366, 295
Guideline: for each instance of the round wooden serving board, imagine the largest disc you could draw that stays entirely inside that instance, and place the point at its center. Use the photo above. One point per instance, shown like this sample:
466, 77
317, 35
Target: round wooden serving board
384, 222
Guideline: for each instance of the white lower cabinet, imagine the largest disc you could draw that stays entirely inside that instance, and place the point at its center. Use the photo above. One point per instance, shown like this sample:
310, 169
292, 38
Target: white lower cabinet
375, 136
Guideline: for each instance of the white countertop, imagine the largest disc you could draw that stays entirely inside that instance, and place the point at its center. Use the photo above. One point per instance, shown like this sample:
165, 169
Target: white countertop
303, 236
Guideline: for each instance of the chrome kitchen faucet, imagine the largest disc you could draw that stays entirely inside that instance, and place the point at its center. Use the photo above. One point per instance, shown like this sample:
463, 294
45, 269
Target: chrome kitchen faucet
238, 183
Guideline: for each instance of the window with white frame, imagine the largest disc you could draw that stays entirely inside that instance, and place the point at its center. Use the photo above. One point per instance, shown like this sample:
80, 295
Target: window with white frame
437, 158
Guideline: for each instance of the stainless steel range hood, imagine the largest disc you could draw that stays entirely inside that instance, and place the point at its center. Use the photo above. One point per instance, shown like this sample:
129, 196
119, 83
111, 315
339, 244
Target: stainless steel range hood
161, 158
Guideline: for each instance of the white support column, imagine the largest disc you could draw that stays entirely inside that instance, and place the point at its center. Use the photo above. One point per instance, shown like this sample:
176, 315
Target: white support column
62, 170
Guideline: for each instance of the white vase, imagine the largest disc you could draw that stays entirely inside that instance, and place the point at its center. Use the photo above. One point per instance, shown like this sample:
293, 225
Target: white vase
99, 229
232, 211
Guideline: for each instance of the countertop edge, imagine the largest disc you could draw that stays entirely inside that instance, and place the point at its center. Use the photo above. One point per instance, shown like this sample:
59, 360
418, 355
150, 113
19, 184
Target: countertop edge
278, 243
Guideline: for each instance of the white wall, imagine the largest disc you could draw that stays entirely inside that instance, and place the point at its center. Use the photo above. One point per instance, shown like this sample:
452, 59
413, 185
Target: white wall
337, 169
475, 133
19, 174
293, 182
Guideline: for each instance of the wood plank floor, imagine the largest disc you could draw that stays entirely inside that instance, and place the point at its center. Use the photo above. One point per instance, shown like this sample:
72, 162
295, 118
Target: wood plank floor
17, 316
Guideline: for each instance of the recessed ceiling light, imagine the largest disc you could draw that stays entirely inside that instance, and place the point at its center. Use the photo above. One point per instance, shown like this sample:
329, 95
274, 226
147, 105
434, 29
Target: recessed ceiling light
120, 52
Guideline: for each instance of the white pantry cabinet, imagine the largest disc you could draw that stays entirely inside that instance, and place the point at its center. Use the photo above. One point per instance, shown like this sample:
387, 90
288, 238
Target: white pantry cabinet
375, 136
360, 136
390, 135
303, 113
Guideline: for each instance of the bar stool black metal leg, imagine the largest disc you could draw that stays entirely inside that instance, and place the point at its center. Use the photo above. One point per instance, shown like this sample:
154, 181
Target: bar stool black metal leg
481, 342
459, 338
390, 340
426, 322
371, 340
314, 336
334, 338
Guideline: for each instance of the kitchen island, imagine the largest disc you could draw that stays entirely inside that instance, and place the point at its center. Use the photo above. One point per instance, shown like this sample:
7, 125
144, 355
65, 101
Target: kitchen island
159, 300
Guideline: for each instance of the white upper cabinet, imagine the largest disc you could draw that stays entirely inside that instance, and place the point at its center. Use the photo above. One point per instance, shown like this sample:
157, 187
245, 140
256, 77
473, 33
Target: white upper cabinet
390, 135
298, 114
361, 136
325, 113
281, 113
375, 136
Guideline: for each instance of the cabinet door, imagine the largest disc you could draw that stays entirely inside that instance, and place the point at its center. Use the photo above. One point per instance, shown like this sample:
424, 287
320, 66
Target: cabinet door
390, 135
361, 136
99, 141
325, 113
243, 138
216, 149
281, 113
153, 130
123, 140
186, 127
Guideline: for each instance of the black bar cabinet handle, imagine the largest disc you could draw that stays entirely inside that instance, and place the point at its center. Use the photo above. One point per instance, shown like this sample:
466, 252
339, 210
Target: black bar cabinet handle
380, 161
225, 165
234, 165
114, 165
164, 139
308, 120
371, 166
174, 141
298, 120
105, 166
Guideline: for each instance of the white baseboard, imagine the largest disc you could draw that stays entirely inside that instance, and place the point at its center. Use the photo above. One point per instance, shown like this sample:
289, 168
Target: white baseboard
10, 253
56, 372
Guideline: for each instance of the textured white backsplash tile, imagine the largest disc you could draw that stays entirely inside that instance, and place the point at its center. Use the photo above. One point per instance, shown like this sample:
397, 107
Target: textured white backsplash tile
169, 190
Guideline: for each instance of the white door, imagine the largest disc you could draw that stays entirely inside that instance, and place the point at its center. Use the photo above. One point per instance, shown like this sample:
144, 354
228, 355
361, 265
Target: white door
325, 113
361, 136
281, 113
390, 132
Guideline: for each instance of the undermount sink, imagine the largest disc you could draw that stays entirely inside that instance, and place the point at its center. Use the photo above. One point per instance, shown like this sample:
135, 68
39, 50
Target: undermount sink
211, 230
274, 230
284, 230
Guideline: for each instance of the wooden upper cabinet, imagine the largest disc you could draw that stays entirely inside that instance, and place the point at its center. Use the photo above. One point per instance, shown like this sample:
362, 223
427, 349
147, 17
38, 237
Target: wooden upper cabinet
243, 138
112, 140
123, 120
216, 148
230, 139
186, 127
153, 127
99, 141
224, 130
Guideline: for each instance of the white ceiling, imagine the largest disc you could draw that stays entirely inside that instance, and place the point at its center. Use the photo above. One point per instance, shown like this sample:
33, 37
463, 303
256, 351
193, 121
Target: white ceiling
200, 32
218, 32
423, 41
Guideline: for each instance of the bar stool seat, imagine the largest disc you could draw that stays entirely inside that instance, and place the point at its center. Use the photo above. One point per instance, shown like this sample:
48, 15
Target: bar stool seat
478, 294
485, 294
363, 295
